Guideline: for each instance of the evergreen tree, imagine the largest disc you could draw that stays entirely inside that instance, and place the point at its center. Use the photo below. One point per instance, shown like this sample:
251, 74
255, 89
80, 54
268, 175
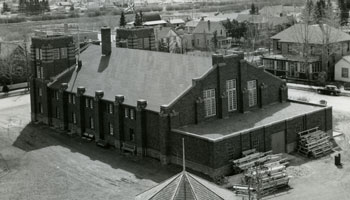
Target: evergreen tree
138, 21
252, 9
5, 7
122, 21
308, 12
215, 39
344, 11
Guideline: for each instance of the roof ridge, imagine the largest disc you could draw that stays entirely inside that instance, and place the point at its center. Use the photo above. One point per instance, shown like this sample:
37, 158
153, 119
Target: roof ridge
175, 177
194, 178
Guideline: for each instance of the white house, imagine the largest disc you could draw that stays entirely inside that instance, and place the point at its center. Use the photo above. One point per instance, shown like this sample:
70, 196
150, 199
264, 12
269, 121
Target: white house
342, 69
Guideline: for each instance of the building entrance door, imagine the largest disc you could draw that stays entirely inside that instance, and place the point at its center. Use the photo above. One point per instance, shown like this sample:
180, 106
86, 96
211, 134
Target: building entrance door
278, 143
292, 69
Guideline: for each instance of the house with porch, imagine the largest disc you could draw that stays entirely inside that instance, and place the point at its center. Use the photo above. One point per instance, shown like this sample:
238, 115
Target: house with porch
307, 53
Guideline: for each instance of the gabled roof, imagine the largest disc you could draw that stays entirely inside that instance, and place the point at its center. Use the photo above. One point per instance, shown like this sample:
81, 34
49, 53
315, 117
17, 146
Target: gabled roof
157, 77
192, 23
297, 32
7, 49
186, 186
165, 32
203, 27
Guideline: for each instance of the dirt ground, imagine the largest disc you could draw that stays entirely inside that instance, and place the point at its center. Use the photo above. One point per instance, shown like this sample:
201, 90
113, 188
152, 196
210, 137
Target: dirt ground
39, 163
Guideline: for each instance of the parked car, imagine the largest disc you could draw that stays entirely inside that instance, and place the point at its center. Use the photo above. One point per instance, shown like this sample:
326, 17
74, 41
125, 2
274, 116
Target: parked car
329, 89
347, 86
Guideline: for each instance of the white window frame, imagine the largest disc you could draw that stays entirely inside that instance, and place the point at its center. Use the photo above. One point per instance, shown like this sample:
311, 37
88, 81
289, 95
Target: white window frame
111, 128
69, 98
74, 116
110, 108
126, 112
91, 103
63, 53
132, 114
73, 98
38, 71
56, 95
56, 53
92, 123
87, 102
37, 53
252, 93
231, 89
209, 102
40, 92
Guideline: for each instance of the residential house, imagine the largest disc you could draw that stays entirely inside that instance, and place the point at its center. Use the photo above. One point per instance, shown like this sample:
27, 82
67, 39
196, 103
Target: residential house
14, 62
280, 11
203, 35
342, 70
316, 62
167, 40
146, 102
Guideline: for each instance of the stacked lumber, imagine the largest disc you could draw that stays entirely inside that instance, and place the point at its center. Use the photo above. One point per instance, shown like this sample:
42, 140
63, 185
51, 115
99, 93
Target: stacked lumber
266, 173
314, 142
249, 160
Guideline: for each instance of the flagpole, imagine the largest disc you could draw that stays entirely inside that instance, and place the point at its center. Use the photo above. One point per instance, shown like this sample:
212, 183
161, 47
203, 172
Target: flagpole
183, 154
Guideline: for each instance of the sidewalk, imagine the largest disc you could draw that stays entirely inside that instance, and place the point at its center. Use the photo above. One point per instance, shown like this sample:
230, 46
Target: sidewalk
314, 88
14, 93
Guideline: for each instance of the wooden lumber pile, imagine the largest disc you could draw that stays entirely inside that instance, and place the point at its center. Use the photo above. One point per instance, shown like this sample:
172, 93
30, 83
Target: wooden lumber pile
314, 143
264, 172
249, 160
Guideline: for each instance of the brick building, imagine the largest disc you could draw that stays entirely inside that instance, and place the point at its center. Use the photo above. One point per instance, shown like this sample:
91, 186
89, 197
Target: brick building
146, 102
136, 38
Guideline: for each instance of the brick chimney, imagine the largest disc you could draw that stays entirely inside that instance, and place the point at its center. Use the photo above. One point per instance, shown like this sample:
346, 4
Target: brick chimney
106, 40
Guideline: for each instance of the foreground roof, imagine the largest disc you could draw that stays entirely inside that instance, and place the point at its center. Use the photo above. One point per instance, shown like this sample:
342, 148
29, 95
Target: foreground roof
186, 186
297, 32
157, 77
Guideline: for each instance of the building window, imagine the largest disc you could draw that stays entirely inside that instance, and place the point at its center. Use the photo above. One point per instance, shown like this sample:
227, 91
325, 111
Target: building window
132, 114
37, 53
86, 102
40, 92
221, 32
278, 45
110, 108
38, 72
231, 94
252, 93
69, 98
345, 72
56, 54
63, 52
110, 128
289, 48
281, 65
56, 95
57, 113
132, 134
41, 72
74, 117
92, 125
91, 103
41, 110
73, 98
209, 102
126, 112
268, 64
